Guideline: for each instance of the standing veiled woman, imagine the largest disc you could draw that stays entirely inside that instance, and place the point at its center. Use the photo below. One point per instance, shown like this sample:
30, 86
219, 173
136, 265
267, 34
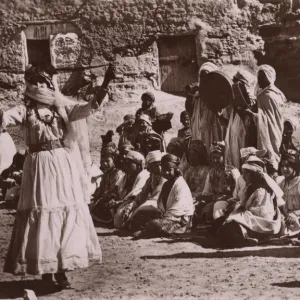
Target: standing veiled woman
53, 230
238, 128
205, 123
269, 118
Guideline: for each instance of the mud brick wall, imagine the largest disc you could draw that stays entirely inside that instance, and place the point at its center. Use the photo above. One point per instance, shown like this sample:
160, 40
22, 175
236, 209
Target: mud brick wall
237, 32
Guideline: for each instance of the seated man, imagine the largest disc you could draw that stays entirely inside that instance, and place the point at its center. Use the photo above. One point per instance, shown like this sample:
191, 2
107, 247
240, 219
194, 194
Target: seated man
130, 185
175, 204
135, 212
220, 182
111, 177
146, 137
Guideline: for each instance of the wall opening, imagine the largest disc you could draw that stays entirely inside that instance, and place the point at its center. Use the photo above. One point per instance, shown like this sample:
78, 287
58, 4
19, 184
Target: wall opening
38, 51
178, 62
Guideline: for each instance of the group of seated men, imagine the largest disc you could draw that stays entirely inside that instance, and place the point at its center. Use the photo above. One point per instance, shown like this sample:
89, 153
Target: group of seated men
155, 190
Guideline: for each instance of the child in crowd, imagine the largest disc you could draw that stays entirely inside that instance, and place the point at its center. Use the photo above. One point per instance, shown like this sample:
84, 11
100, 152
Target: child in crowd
11, 179
290, 185
145, 134
111, 176
148, 108
126, 130
185, 133
288, 130
196, 174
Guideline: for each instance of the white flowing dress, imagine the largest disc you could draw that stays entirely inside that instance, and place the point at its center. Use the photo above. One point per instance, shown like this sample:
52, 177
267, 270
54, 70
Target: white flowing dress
53, 230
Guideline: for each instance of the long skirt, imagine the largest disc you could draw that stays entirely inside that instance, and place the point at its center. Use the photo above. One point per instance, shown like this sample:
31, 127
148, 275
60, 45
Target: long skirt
53, 230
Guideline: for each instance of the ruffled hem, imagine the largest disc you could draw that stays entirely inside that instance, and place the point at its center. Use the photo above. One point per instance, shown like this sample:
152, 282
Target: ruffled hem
50, 240
43, 267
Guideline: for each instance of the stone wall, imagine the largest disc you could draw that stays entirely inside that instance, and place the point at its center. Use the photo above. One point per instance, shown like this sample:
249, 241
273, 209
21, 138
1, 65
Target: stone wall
238, 32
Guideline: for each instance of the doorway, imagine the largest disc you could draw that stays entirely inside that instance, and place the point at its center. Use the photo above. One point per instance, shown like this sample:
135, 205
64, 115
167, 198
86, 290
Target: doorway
178, 62
38, 51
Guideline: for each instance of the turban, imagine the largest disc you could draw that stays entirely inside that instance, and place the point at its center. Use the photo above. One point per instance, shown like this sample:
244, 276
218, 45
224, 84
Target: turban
243, 76
183, 115
290, 155
175, 147
217, 147
148, 95
271, 77
254, 164
293, 121
145, 118
209, 67
196, 145
170, 160
136, 157
269, 72
246, 152
109, 149
153, 156
126, 146
128, 120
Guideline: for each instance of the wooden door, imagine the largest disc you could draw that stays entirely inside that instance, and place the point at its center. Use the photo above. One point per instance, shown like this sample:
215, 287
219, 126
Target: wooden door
178, 62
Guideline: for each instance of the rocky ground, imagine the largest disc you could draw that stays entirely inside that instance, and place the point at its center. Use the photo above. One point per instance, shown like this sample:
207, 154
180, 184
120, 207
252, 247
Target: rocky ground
191, 268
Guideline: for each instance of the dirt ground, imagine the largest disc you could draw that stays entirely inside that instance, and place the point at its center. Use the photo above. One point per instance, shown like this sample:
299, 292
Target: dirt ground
167, 269
164, 268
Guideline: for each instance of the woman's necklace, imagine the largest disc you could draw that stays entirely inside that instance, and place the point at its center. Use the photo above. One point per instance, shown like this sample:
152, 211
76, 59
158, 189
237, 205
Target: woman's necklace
48, 120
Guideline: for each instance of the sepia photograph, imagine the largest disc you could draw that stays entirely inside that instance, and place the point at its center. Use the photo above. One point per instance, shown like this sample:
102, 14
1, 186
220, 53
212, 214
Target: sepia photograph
150, 149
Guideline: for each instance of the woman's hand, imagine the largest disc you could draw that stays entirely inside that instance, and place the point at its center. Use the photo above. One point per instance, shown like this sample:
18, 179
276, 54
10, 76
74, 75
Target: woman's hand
128, 210
291, 220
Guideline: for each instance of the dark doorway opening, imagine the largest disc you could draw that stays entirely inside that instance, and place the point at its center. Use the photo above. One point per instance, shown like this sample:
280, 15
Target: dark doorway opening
38, 51
178, 62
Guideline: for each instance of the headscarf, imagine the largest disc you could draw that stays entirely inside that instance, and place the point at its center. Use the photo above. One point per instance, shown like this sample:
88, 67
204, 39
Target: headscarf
269, 72
148, 95
109, 149
128, 119
170, 160
254, 164
217, 147
183, 115
271, 77
291, 156
76, 138
153, 156
126, 146
293, 121
145, 118
196, 145
247, 152
243, 76
136, 157
209, 67
175, 147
